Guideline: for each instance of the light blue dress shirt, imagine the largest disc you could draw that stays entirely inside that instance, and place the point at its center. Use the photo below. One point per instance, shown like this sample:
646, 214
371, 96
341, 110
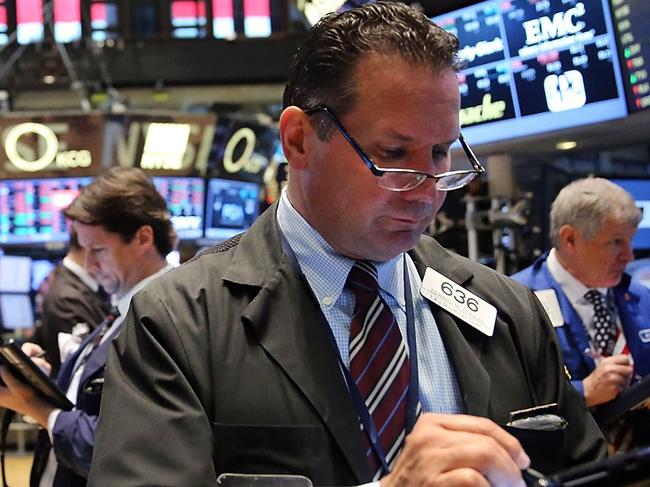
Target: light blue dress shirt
326, 272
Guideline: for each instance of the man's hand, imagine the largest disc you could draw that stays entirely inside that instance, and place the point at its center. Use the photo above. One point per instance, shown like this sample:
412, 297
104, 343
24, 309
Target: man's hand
458, 450
35, 352
20, 397
608, 379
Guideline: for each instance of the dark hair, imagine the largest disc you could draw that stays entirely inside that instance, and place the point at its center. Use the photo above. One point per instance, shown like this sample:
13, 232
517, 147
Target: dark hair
73, 242
121, 200
322, 70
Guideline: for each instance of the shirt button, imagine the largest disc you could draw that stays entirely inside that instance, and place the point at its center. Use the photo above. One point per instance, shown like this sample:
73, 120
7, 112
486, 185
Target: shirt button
328, 301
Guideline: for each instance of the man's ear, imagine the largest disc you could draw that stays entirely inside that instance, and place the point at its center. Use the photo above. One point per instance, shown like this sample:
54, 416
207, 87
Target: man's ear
144, 237
568, 236
295, 129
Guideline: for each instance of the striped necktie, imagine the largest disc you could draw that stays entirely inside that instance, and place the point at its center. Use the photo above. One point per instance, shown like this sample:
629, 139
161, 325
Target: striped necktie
379, 365
104, 326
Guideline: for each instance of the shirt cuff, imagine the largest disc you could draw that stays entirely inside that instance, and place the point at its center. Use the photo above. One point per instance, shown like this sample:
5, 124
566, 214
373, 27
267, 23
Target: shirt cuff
51, 420
371, 484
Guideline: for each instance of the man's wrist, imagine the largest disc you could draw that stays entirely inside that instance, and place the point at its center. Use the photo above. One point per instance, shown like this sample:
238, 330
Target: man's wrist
40, 412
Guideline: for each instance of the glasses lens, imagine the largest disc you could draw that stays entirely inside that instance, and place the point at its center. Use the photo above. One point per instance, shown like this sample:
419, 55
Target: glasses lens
454, 181
400, 181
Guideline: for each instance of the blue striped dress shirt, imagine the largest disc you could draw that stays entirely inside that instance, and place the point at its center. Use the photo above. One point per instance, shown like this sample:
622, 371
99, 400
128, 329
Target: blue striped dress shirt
326, 272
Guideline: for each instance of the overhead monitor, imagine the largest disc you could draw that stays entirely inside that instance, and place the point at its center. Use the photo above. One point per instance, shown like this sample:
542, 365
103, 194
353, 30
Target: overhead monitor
640, 191
232, 207
31, 210
533, 67
185, 200
15, 274
632, 21
16, 311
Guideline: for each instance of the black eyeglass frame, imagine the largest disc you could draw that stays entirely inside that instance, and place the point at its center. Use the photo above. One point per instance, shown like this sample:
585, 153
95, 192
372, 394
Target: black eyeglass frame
378, 171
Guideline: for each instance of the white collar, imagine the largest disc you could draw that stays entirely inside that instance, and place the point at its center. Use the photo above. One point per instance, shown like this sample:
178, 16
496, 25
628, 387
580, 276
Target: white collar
81, 273
572, 287
325, 270
123, 302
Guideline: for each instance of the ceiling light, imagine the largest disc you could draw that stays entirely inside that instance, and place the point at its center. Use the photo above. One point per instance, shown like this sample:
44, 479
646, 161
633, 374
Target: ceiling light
566, 145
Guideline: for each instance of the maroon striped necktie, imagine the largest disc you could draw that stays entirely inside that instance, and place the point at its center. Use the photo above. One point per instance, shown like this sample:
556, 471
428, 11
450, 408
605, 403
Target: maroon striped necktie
104, 326
379, 365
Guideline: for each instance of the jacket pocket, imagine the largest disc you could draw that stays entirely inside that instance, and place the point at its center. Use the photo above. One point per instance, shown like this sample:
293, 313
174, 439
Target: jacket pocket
272, 449
544, 447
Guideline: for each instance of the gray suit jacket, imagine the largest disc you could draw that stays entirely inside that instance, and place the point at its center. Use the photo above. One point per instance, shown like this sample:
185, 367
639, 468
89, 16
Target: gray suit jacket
224, 365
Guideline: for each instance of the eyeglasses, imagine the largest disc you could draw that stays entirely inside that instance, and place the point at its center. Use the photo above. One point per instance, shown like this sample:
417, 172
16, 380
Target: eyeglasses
398, 179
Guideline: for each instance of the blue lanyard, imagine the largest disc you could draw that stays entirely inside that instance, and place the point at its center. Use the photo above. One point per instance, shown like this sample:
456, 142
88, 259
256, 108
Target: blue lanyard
413, 392
360, 404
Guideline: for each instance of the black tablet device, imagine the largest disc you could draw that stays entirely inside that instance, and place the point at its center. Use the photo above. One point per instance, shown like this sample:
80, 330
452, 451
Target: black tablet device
26, 370
631, 398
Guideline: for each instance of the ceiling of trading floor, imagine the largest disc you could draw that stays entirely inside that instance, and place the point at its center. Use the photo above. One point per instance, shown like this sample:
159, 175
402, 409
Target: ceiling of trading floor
632, 131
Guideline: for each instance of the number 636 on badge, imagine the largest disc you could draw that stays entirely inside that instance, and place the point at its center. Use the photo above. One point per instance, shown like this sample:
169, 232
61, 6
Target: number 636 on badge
458, 301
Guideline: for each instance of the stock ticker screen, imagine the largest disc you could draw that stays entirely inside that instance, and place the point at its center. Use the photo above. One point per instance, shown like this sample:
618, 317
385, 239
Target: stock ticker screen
535, 66
31, 210
232, 207
185, 199
632, 20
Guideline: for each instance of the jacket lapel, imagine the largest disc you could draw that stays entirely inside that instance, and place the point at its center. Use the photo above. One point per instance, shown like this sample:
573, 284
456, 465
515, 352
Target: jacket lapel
97, 358
463, 343
575, 329
290, 327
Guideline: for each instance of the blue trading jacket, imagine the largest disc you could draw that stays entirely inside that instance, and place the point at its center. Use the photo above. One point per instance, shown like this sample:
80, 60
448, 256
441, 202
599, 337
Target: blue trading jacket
632, 301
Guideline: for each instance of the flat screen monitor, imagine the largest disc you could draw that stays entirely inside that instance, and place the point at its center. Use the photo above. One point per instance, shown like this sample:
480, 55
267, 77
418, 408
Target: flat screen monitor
632, 21
31, 210
185, 200
16, 311
15, 274
41, 268
535, 66
640, 191
232, 207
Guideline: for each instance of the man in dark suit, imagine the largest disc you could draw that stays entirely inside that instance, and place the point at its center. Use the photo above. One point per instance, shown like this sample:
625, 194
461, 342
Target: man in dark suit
73, 297
123, 223
332, 340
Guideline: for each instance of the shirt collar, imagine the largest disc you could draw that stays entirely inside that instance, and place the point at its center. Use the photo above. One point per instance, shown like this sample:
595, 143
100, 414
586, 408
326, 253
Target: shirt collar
572, 287
123, 303
325, 270
81, 273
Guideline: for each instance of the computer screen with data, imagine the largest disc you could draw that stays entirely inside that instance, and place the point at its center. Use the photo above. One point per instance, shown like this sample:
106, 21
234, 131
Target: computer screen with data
232, 207
15, 274
535, 66
185, 200
31, 210
16, 311
41, 269
15, 285
632, 22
